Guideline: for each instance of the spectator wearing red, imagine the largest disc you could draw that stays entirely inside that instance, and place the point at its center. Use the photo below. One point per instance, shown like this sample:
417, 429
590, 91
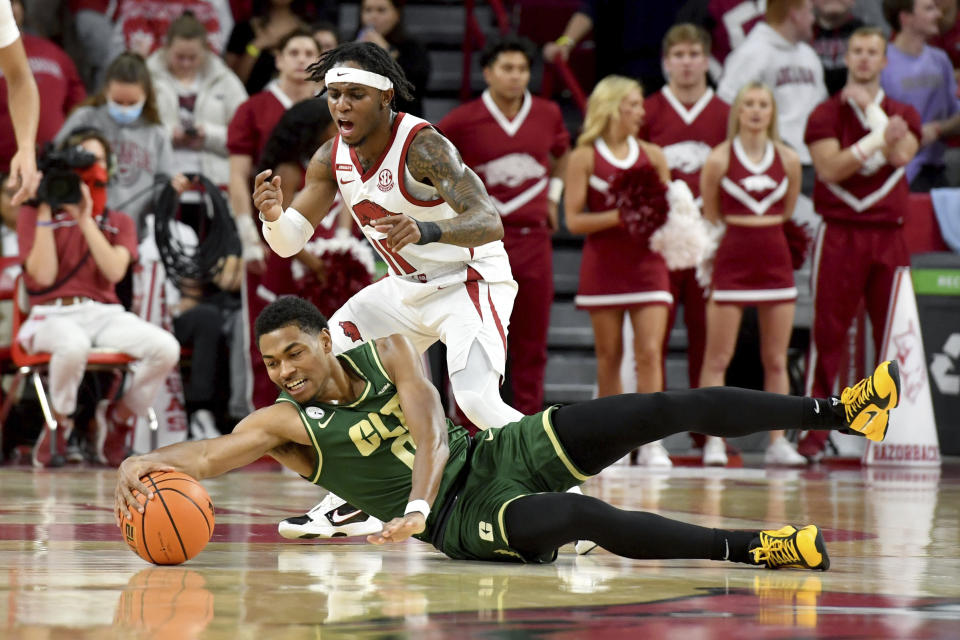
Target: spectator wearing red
253, 42
686, 119
57, 81
861, 141
141, 25
949, 27
517, 144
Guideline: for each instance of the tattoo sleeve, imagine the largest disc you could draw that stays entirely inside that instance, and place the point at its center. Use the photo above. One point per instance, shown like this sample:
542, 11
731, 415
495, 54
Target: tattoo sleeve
433, 159
321, 164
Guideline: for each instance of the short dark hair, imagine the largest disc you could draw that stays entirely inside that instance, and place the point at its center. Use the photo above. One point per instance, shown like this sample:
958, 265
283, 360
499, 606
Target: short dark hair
369, 57
325, 25
81, 134
287, 310
507, 43
892, 9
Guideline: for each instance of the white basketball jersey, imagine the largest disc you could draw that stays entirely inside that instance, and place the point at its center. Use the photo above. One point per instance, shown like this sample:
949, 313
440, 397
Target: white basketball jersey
387, 188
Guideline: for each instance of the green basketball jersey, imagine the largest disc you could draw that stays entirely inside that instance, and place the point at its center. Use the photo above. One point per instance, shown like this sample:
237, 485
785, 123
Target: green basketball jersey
364, 451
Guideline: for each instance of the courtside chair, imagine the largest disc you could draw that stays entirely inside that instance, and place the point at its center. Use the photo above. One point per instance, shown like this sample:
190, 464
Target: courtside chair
50, 446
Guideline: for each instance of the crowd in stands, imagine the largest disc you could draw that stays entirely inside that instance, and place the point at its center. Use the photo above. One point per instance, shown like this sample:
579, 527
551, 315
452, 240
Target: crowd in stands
753, 105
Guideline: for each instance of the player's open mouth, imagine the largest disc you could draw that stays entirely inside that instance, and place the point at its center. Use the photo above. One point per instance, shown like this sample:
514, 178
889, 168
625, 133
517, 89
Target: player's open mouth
346, 127
296, 385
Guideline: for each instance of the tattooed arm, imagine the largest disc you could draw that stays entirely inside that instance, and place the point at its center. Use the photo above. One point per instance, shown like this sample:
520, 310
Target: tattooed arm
432, 159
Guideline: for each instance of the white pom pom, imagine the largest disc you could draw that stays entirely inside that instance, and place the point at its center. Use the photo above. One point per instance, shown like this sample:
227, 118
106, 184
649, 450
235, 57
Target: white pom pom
714, 233
682, 240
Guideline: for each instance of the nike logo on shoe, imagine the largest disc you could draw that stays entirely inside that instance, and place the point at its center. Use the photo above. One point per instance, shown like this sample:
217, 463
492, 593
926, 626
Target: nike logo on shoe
339, 518
884, 402
873, 414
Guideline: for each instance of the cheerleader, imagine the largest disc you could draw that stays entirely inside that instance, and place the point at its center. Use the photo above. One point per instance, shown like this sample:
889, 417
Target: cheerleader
750, 182
619, 274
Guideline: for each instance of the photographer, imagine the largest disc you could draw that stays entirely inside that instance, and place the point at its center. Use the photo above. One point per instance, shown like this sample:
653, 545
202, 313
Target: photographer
75, 251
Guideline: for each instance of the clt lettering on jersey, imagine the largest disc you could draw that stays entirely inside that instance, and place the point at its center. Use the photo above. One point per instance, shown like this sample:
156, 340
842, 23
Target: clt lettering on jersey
364, 451
387, 189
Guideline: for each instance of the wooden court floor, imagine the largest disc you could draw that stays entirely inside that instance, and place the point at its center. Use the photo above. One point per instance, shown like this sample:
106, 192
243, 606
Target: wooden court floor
892, 536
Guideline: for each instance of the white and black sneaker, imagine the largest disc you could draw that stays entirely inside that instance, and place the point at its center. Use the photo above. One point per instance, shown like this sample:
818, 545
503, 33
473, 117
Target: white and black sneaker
332, 518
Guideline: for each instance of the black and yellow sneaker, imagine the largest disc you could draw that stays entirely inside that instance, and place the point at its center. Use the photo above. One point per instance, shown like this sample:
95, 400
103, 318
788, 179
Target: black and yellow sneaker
867, 404
791, 548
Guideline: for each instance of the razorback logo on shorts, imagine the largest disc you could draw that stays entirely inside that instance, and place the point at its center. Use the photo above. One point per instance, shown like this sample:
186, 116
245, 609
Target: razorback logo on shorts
350, 330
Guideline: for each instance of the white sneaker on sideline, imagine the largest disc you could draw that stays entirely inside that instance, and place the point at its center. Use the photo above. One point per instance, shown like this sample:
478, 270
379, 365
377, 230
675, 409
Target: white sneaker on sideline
332, 518
654, 455
781, 453
714, 452
583, 547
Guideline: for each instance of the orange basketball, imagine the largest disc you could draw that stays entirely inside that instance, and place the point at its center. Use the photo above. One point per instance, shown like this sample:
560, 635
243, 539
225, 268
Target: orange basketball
176, 525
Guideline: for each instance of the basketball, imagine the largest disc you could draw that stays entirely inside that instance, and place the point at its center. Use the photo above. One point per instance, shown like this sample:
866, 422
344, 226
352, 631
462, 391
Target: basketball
176, 525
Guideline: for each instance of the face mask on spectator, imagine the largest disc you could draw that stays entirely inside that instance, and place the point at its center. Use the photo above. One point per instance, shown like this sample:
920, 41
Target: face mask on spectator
124, 114
95, 177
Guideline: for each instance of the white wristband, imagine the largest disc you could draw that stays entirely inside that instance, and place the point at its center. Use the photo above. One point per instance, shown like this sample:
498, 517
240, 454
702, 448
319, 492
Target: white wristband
418, 505
876, 117
288, 234
868, 145
555, 190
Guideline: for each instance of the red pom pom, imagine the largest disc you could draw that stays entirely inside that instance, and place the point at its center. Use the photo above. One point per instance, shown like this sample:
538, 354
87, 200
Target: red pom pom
344, 276
642, 200
798, 241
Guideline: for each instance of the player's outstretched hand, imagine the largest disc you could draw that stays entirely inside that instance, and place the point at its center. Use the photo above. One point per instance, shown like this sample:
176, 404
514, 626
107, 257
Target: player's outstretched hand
399, 529
267, 195
401, 230
128, 481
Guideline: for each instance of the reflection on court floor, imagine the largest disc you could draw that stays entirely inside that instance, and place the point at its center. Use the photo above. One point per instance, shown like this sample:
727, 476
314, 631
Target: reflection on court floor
892, 536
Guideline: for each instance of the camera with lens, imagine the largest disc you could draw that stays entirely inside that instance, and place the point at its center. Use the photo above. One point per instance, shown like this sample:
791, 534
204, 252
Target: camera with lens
61, 183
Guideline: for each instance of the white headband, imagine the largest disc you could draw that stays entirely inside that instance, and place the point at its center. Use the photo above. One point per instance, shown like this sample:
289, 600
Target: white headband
358, 76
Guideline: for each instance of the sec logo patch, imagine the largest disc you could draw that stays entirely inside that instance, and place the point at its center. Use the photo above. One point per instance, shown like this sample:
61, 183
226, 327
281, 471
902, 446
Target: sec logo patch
385, 180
